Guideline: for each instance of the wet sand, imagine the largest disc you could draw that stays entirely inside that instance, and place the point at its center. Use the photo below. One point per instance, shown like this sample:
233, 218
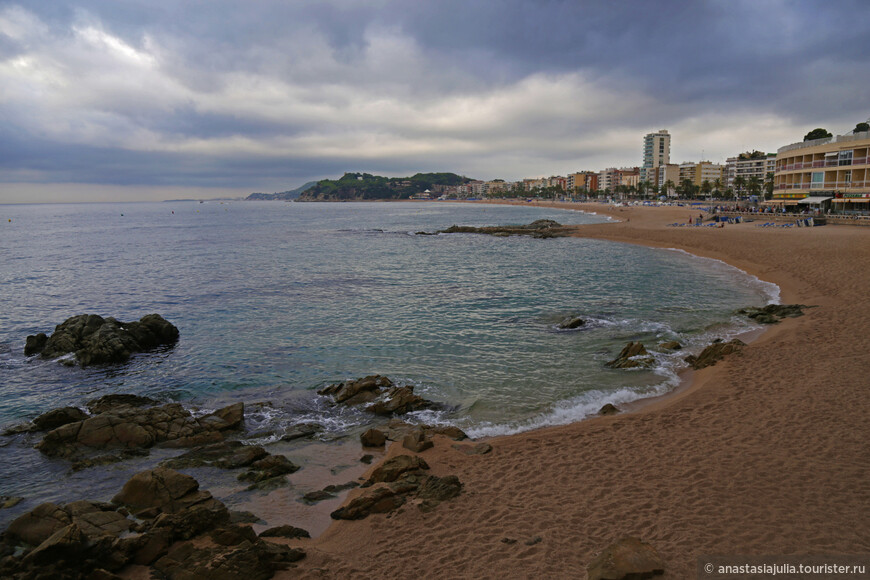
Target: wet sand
764, 454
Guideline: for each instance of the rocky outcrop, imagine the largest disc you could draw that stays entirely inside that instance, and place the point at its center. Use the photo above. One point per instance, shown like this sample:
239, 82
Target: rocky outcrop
417, 441
373, 438
714, 352
773, 313
392, 468
123, 426
627, 559
670, 345
537, 229
608, 409
382, 396
98, 340
96, 540
633, 355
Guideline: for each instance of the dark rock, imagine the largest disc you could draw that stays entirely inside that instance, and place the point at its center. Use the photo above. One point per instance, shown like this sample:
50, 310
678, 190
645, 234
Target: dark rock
64, 544
627, 357
107, 459
671, 345
269, 467
627, 559
242, 517
396, 466
301, 431
714, 352
478, 449
246, 561
608, 409
317, 496
363, 390
161, 489
109, 403
96, 519
375, 500
223, 419
533, 541
124, 426
225, 454
58, 417
192, 521
399, 400
572, 323
34, 344
37, 525
373, 438
367, 458
434, 490
537, 229
232, 535
8, 501
450, 432
773, 313
417, 441
289, 532
97, 340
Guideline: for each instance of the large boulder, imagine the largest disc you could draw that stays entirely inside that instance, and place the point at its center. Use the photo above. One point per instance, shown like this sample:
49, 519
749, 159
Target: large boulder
633, 355
59, 417
39, 524
98, 340
362, 390
627, 559
399, 401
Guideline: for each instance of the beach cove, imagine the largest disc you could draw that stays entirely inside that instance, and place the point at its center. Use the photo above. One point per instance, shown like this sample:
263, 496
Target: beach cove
764, 454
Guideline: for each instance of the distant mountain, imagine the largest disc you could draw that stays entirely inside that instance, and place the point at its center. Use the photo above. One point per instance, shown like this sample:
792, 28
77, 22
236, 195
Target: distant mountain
365, 186
282, 195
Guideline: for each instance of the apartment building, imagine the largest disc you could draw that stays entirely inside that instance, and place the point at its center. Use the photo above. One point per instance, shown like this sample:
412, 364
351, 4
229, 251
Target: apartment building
834, 169
656, 152
700, 172
748, 165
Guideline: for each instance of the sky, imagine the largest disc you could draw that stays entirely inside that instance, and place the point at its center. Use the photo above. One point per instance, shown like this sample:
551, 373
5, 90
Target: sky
125, 100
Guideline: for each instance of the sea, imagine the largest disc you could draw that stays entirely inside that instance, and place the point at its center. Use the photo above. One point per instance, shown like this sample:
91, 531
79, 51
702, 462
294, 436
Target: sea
275, 300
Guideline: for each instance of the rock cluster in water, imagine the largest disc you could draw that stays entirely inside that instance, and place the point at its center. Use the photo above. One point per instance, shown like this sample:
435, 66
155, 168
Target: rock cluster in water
125, 424
160, 519
380, 395
633, 355
97, 340
537, 229
396, 481
773, 313
714, 352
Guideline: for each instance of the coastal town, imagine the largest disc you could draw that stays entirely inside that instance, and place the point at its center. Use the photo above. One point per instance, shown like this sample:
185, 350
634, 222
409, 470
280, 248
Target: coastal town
823, 173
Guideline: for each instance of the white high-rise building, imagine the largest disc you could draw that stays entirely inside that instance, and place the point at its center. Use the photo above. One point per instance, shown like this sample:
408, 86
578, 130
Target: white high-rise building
656, 152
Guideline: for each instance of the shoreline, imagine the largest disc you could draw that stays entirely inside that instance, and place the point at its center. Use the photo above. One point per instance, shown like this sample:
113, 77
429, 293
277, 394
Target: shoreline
757, 455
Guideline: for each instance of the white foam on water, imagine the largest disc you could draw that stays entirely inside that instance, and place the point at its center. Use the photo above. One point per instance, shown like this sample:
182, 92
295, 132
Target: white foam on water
768, 288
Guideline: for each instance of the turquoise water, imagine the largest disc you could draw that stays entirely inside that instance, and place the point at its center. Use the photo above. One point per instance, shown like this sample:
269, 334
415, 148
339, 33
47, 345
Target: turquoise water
274, 300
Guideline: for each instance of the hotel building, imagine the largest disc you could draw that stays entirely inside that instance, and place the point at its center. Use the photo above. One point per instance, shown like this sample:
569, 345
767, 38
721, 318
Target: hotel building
833, 169
656, 152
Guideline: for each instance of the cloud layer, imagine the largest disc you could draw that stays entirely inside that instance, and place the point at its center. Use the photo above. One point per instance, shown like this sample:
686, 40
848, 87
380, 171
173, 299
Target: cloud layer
267, 95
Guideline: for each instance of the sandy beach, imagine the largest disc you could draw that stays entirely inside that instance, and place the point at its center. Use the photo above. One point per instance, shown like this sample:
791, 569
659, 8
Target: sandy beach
765, 453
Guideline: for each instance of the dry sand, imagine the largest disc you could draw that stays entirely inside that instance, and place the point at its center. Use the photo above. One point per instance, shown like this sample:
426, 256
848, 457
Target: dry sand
764, 454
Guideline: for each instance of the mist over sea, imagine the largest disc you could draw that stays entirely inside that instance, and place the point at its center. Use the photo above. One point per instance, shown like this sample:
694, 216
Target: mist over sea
274, 300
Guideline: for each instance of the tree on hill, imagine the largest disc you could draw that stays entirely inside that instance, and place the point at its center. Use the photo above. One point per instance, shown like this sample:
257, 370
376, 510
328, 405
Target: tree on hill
817, 134
861, 128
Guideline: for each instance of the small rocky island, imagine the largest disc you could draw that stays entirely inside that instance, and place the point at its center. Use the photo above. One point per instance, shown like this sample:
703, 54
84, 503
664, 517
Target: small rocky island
97, 340
536, 229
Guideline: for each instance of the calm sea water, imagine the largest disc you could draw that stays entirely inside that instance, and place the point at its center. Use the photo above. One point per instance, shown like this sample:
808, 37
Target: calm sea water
274, 300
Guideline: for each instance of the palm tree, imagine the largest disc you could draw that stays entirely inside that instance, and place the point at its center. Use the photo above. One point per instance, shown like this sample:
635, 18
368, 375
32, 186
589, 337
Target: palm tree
754, 185
739, 184
669, 187
717, 186
768, 185
706, 187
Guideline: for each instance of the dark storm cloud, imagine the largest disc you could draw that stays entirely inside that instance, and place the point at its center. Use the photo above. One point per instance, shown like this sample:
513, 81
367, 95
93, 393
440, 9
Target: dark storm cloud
267, 94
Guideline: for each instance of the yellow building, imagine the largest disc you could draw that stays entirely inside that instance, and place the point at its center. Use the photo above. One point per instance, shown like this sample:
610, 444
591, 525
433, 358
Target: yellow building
835, 169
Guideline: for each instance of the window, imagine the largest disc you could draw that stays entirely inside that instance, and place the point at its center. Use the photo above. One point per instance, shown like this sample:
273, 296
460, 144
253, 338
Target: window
818, 180
845, 158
